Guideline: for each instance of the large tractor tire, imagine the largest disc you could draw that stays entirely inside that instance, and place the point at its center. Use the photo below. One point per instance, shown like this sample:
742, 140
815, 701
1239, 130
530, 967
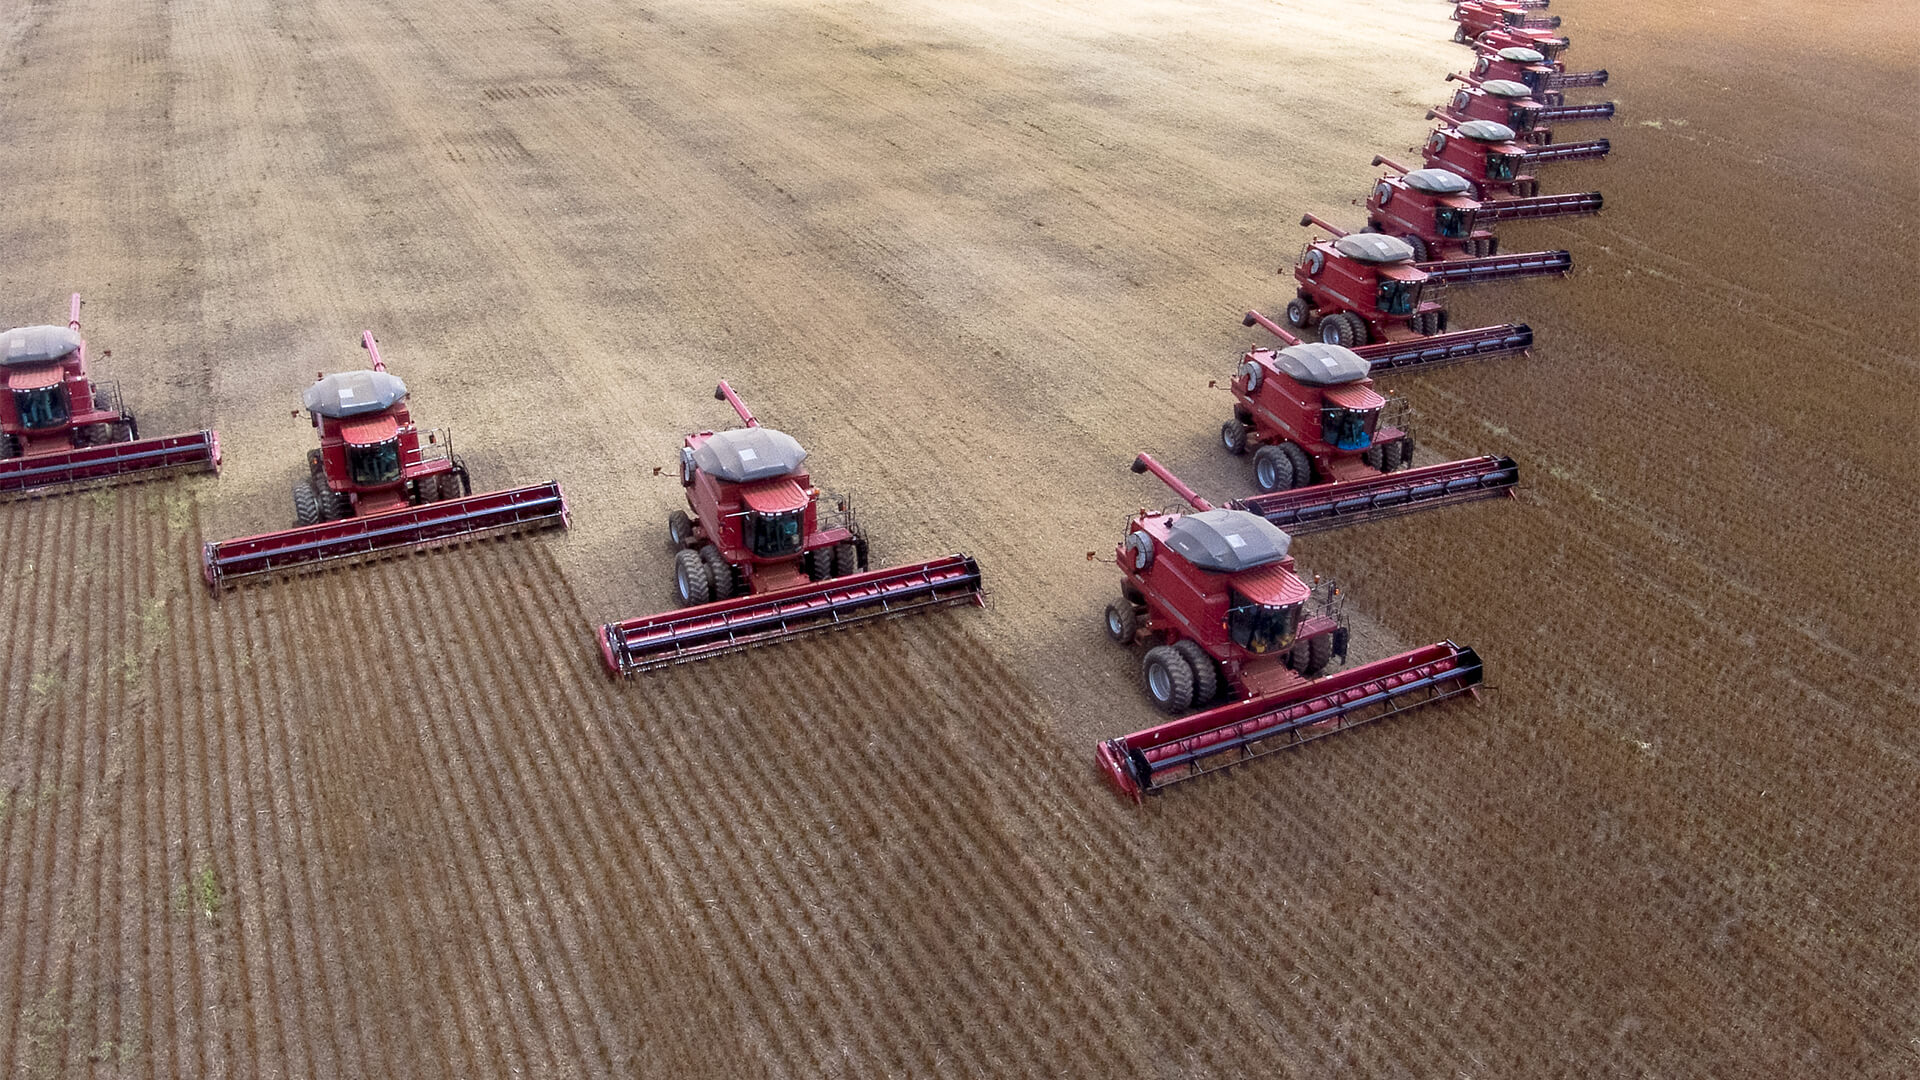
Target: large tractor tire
1343, 329
719, 573
846, 559
1123, 621
1302, 464
1319, 653
1206, 677
334, 505
818, 563
1419, 246
1168, 679
1233, 436
691, 583
306, 505
679, 529
1273, 469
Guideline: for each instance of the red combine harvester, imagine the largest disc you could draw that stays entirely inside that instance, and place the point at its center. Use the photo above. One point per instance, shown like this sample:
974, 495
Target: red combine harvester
1324, 449
759, 560
1370, 287
1435, 212
1545, 80
1215, 595
59, 429
1477, 17
1549, 45
375, 486
1506, 102
1486, 155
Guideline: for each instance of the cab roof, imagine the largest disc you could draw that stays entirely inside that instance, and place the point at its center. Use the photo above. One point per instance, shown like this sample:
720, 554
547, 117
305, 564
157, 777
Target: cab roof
1315, 363
1373, 247
1438, 182
353, 393
1486, 131
777, 496
1505, 88
37, 344
370, 431
744, 455
1518, 55
1227, 541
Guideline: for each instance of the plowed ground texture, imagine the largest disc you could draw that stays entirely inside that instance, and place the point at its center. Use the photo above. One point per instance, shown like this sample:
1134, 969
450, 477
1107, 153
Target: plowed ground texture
393, 820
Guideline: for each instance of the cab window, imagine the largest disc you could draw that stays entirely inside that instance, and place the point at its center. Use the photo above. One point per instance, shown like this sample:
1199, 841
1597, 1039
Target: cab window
376, 464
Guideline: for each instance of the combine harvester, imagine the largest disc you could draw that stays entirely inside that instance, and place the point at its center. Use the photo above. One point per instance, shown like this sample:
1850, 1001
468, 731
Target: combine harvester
1504, 101
1435, 212
760, 561
1477, 17
1485, 154
60, 430
1545, 80
1215, 596
1368, 292
1549, 45
1324, 452
375, 487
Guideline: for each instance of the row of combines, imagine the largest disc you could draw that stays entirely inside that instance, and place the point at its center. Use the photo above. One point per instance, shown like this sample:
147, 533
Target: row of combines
1238, 646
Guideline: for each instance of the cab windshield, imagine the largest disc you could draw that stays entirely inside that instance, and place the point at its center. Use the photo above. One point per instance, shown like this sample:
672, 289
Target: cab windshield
1452, 222
1398, 297
1261, 628
42, 408
1348, 429
1522, 117
375, 464
1499, 167
1532, 78
771, 536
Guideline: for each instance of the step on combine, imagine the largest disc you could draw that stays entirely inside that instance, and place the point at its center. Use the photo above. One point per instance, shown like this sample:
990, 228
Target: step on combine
1485, 154
1328, 449
61, 429
1435, 212
1547, 81
1477, 17
1232, 630
1369, 292
1511, 103
378, 485
764, 557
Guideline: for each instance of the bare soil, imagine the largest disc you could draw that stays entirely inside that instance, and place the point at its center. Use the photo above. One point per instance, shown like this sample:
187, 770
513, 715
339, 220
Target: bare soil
392, 820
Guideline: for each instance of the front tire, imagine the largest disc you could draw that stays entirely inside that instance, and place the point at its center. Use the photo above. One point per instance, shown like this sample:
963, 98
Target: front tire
691, 583
846, 559
306, 505
1319, 654
1168, 679
1206, 677
1418, 245
1273, 469
719, 573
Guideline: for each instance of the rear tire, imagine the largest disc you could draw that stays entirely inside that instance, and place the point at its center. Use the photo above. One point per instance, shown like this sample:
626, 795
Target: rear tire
306, 505
679, 529
846, 559
1273, 469
719, 573
1298, 314
1206, 677
1168, 679
1123, 621
1233, 436
691, 583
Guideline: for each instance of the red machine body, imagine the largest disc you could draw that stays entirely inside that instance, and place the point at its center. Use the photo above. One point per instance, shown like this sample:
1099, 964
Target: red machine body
1217, 593
1485, 154
1434, 211
1477, 17
759, 560
60, 428
1215, 596
1370, 287
1549, 45
378, 483
1511, 103
1546, 80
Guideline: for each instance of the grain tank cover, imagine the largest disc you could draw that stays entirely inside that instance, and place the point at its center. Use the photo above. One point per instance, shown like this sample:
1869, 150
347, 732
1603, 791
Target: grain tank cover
1518, 55
1505, 88
1315, 363
37, 344
1486, 131
353, 393
1374, 248
1228, 541
744, 455
1438, 182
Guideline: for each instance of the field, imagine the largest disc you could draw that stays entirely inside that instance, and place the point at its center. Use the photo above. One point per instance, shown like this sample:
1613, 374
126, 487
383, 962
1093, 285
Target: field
393, 821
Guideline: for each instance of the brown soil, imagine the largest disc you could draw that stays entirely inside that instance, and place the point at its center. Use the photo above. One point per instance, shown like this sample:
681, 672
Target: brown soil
392, 821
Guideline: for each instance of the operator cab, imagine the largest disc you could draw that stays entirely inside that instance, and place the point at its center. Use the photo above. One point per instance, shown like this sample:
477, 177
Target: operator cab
31, 357
1265, 598
1501, 164
763, 461
1398, 289
1349, 417
1452, 222
373, 451
1521, 114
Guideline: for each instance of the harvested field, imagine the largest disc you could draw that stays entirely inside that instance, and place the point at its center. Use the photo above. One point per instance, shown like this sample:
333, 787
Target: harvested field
393, 821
